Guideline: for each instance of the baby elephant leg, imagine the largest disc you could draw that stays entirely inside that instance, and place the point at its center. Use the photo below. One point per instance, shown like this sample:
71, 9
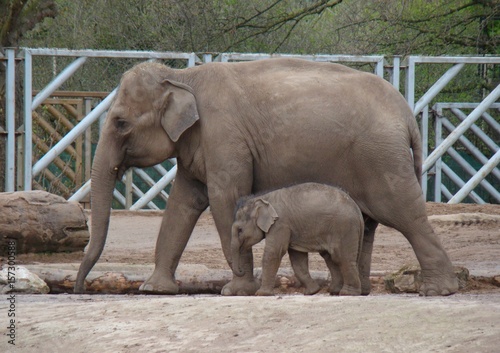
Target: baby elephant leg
337, 282
273, 253
350, 275
300, 265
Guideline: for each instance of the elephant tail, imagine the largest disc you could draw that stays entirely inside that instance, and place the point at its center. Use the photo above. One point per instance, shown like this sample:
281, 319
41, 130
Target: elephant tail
416, 146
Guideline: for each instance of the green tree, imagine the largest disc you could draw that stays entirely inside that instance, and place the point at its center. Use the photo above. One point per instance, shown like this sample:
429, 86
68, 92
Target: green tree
431, 27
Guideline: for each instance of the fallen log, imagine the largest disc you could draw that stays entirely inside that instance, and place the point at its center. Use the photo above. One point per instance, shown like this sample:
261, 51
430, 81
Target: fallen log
126, 279
38, 221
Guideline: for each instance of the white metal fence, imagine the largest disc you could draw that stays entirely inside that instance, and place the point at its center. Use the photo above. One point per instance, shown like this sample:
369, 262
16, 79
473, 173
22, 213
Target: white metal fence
482, 112
447, 137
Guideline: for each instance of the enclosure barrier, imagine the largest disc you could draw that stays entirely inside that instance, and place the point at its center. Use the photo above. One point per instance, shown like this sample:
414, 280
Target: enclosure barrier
450, 143
456, 134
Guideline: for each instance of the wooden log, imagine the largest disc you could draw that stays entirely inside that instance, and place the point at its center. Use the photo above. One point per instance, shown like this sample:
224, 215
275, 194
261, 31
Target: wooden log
41, 222
109, 278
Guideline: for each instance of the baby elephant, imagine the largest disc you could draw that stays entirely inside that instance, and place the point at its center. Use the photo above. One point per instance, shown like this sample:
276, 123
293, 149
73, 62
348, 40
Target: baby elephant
302, 218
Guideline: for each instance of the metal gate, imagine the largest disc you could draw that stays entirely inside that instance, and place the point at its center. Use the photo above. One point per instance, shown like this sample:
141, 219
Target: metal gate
471, 128
447, 137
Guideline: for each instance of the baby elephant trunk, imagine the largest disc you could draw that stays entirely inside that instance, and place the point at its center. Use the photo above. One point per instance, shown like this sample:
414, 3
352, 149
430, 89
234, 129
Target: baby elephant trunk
235, 252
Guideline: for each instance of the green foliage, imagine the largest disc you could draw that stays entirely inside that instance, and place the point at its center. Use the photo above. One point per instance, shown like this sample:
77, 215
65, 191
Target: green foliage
295, 26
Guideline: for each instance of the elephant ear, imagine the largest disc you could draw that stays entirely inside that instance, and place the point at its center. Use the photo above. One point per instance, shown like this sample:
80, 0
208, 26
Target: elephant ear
179, 110
266, 215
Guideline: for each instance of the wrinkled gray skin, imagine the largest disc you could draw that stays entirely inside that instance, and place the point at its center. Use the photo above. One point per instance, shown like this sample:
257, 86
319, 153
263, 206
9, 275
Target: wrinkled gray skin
241, 128
303, 218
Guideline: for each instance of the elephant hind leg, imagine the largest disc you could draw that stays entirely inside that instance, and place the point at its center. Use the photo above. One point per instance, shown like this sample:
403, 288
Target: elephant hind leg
365, 257
437, 272
405, 211
350, 274
300, 265
336, 281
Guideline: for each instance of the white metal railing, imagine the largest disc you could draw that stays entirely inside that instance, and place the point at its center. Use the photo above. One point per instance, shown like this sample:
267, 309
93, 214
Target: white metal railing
30, 104
421, 106
466, 189
380, 64
378, 60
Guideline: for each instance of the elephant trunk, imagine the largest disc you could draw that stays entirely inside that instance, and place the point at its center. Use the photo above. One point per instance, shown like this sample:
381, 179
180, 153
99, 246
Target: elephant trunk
235, 252
103, 182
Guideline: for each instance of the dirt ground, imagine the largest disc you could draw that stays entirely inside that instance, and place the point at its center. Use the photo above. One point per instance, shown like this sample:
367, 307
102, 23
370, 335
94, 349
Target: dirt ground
289, 322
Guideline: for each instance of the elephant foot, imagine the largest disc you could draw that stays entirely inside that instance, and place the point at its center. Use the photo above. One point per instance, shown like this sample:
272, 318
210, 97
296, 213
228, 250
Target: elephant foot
264, 292
349, 290
437, 283
240, 286
335, 288
312, 289
79, 289
159, 285
366, 285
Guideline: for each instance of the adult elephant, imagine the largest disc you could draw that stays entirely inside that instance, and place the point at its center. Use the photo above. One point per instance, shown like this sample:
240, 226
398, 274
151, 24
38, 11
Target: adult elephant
241, 128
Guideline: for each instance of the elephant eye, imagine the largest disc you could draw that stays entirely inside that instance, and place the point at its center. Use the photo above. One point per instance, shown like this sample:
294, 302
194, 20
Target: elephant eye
121, 124
240, 230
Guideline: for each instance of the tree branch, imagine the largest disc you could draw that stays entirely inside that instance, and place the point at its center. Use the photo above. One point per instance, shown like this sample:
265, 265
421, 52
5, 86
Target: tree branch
12, 11
441, 15
278, 22
22, 16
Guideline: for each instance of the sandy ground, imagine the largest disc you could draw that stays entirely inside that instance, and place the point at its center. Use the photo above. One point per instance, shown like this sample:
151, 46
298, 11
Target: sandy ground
465, 322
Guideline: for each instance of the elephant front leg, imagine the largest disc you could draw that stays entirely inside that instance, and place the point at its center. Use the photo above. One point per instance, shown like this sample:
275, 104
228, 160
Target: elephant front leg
270, 265
276, 247
224, 193
245, 285
186, 202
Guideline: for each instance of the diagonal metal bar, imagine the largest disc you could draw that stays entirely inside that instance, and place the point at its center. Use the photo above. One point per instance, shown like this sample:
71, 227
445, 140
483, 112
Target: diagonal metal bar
470, 146
474, 181
81, 193
446, 192
491, 122
476, 130
469, 169
120, 198
57, 82
145, 177
460, 183
160, 185
138, 192
437, 87
464, 125
73, 134
85, 189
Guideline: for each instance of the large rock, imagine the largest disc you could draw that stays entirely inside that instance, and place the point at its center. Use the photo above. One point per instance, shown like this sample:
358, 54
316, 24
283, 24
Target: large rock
38, 221
409, 279
18, 279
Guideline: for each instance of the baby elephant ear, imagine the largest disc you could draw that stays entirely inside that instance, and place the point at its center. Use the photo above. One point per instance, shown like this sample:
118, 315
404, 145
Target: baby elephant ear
266, 215
178, 111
